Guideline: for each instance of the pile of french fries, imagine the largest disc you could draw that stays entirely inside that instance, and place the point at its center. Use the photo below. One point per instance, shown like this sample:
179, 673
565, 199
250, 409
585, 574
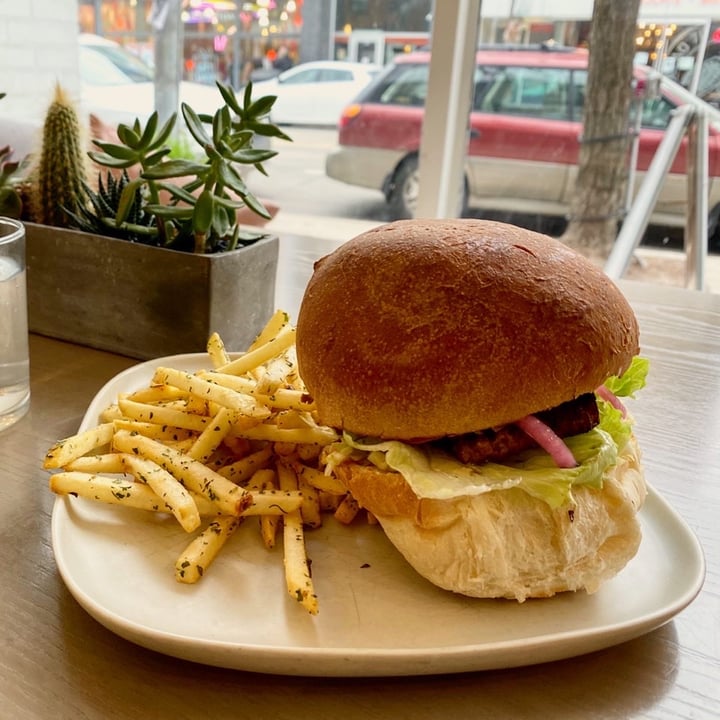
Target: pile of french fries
212, 448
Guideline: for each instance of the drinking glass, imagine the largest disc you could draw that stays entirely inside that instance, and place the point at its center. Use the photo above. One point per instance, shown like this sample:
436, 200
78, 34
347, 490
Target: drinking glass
14, 355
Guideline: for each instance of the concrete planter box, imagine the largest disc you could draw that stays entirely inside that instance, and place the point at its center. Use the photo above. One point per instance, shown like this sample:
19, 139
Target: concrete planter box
143, 301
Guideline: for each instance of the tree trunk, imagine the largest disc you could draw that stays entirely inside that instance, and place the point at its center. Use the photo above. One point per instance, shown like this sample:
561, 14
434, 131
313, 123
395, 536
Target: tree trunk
598, 202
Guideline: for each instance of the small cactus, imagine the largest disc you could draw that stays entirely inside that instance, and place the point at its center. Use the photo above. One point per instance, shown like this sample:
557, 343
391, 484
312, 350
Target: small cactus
61, 169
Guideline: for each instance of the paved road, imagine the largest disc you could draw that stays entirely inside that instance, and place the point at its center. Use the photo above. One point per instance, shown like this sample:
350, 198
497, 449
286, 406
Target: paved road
298, 184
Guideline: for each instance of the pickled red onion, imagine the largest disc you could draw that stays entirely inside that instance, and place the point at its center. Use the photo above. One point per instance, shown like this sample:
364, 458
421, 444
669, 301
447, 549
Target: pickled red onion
613, 399
548, 440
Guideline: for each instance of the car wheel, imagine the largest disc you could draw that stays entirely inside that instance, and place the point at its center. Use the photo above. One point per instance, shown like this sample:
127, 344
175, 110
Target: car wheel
404, 190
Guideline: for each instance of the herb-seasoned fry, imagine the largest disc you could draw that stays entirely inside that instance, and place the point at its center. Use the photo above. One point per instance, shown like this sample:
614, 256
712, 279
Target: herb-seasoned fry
265, 431
198, 555
273, 326
242, 470
112, 490
297, 571
162, 415
318, 479
195, 476
216, 351
196, 385
165, 486
214, 433
113, 463
153, 430
78, 445
250, 360
347, 510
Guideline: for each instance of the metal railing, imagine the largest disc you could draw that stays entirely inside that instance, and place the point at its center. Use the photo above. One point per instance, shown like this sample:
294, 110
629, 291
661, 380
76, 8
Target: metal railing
686, 120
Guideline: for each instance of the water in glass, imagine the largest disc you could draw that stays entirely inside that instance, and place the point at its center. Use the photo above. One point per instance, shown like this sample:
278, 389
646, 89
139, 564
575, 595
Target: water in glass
14, 365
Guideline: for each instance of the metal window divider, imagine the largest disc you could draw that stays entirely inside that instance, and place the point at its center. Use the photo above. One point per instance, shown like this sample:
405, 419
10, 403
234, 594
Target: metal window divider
685, 119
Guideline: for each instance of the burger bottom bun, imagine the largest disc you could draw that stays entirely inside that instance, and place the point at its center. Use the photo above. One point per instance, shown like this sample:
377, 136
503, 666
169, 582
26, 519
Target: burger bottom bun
507, 544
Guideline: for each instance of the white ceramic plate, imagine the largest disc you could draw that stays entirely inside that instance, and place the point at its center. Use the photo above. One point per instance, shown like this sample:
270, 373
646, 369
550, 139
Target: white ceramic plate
377, 616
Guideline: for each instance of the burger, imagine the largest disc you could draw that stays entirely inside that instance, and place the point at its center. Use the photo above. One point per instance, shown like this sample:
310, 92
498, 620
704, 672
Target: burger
475, 371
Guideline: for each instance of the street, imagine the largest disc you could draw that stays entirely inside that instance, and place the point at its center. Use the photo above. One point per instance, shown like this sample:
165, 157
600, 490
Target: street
297, 182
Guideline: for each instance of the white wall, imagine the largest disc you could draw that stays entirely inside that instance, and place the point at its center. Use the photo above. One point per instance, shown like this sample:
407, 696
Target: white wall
38, 48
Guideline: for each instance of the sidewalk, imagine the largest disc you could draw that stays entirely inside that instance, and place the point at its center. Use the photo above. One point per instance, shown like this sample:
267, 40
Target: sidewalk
665, 267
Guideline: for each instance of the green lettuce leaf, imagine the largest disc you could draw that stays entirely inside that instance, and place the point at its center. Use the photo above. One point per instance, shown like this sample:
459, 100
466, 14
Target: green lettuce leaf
632, 380
433, 473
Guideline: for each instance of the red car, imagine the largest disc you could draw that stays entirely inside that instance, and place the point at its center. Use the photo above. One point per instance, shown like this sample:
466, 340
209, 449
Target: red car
524, 129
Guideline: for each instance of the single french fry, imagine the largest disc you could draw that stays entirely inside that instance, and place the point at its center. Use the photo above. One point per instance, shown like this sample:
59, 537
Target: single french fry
158, 393
269, 525
209, 391
310, 507
347, 510
109, 490
261, 354
200, 553
264, 480
181, 445
241, 384
166, 487
195, 476
153, 430
286, 399
297, 571
329, 502
308, 435
278, 372
216, 350
293, 419
273, 326
243, 469
162, 415
71, 448
113, 463
209, 440
318, 479
110, 413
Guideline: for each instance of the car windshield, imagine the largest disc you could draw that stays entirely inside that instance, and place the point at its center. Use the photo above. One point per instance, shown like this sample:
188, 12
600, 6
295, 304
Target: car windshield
112, 65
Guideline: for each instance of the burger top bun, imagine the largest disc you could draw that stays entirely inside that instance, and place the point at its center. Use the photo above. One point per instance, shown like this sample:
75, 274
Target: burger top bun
424, 328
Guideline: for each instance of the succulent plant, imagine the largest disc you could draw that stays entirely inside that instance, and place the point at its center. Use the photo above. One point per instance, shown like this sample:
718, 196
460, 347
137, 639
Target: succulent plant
61, 169
104, 206
10, 199
200, 213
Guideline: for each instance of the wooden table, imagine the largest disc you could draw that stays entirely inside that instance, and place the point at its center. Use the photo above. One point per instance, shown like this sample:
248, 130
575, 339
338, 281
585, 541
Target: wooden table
56, 661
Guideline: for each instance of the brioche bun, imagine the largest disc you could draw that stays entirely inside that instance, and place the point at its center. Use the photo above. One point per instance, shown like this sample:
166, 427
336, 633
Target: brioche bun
507, 544
426, 328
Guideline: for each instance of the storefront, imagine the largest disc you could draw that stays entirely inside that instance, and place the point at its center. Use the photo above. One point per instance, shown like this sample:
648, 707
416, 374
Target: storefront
227, 40
220, 37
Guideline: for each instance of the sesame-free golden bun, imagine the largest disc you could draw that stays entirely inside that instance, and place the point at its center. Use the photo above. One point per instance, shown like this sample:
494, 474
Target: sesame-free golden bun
425, 328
